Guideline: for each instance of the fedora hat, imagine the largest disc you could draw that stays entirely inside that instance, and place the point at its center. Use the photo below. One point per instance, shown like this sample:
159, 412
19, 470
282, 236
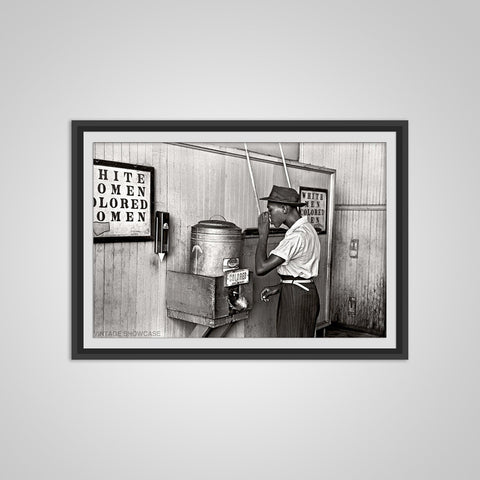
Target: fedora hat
286, 195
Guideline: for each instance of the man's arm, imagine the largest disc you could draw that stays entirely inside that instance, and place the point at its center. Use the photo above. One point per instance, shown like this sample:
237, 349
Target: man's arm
264, 264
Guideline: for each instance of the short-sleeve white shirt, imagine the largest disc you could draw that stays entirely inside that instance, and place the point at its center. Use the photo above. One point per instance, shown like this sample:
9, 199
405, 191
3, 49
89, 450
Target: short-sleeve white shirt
300, 249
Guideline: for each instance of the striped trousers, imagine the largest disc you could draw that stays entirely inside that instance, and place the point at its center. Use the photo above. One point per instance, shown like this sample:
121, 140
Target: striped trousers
297, 311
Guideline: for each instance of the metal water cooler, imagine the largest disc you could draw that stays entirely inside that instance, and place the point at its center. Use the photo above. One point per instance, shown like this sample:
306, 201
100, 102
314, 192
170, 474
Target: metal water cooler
216, 292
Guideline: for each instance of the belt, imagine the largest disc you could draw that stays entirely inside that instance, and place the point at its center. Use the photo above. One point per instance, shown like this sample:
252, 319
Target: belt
298, 283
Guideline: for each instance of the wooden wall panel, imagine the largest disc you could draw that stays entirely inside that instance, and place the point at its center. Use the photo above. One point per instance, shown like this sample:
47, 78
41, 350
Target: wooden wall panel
126, 279
360, 170
360, 214
375, 168
129, 263
290, 150
98, 286
159, 162
109, 292
364, 277
183, 205
156, 269
239, 189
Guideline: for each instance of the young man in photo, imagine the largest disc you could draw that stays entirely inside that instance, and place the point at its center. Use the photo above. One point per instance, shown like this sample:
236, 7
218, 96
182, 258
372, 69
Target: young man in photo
296, 259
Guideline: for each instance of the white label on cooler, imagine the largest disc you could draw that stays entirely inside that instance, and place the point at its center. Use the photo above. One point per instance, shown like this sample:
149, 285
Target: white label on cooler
236, 277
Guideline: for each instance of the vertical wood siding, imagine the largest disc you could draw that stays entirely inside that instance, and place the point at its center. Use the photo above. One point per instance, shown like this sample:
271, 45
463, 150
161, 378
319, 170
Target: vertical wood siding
126, 274
360, 170
362, 277
192, 185
360, 214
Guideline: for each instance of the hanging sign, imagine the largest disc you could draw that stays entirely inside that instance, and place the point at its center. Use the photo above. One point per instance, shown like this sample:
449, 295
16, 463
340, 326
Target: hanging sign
316, 207
122, 202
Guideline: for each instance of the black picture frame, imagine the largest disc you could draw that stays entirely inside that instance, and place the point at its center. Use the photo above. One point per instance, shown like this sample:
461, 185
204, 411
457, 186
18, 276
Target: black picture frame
151, 210
399, 128
320, 231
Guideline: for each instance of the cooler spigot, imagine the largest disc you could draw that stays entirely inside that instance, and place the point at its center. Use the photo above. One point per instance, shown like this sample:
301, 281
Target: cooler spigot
236, 302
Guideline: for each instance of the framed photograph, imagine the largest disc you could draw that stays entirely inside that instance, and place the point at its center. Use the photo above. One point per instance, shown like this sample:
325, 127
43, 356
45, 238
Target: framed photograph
315, 209
194, 239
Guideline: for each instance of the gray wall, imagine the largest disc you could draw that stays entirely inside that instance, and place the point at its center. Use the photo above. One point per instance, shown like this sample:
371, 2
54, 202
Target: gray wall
250, 60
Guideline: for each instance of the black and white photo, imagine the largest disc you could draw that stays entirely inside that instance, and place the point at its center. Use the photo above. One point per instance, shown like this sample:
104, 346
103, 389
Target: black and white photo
189, 239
